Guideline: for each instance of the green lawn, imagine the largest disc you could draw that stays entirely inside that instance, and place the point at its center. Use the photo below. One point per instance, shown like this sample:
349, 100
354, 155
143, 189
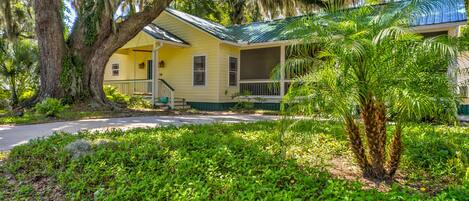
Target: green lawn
231, 162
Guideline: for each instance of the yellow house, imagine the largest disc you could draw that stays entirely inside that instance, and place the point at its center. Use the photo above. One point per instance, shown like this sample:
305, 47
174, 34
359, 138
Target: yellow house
203, 64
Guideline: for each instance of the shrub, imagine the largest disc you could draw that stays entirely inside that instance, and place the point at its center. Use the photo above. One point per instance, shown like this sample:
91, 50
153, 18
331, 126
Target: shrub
4, 99
138, 102
50, 107
26, 95
245, 101
112, 94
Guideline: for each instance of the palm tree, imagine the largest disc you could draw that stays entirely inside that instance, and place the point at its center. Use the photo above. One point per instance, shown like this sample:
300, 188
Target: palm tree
367, 63
274, 8
17, 59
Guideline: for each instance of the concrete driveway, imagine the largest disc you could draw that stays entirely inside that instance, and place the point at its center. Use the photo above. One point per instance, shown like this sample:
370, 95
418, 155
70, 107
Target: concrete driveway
11, 136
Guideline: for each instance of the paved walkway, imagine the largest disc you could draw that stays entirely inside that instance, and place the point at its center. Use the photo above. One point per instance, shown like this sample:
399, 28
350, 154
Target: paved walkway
11, 136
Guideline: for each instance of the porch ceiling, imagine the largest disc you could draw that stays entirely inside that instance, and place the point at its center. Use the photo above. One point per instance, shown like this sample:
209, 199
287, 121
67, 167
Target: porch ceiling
162, 35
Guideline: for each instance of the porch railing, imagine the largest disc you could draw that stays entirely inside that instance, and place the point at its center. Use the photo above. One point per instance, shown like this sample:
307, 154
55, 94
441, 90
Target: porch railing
262, 87
166, 90
132, 87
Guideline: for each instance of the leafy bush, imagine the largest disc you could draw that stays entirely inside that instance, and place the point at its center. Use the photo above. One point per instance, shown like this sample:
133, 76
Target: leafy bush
26, 95
114, 95
50, 107
4, 97
138, 102
244, 101
228, 162
135, 102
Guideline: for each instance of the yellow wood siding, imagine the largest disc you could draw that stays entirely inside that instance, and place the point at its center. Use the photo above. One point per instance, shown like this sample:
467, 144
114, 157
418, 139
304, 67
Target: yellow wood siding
178, 61
128, 66
225, 91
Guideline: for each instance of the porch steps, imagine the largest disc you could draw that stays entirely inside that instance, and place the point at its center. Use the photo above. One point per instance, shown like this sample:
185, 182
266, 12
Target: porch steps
181, 104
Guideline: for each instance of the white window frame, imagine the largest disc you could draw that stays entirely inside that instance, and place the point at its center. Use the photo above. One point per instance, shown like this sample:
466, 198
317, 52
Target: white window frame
237, 71
118, 70
206, 70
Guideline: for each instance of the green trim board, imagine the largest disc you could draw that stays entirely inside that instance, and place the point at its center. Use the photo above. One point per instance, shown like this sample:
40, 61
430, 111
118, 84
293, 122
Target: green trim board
206, 106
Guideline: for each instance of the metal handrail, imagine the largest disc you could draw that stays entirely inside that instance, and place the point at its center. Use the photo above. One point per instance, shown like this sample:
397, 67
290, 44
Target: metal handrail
171, 92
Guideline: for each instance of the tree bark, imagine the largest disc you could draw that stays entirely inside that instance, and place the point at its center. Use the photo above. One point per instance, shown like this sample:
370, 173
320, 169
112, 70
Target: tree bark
10, 26
395, 151
14, 94
108, 42
93, 57
50, 35
373, 116
356, 144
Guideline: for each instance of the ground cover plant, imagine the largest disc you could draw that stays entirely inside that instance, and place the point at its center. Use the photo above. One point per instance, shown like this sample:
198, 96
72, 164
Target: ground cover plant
368, 64
230, 162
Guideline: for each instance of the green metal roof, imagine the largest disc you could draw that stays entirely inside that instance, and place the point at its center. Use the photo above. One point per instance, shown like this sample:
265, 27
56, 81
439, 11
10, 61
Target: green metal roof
212, 28
270, 31
159, 33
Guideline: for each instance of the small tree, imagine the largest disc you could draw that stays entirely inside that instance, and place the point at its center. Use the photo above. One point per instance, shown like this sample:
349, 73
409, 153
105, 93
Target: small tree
367, 63
18, 61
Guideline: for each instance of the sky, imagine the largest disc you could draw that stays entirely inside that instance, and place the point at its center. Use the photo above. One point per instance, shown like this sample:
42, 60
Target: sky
71, 15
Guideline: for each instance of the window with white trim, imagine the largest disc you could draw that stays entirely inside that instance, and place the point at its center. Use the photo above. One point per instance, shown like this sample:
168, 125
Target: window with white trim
233, 72
115, 69
200, 70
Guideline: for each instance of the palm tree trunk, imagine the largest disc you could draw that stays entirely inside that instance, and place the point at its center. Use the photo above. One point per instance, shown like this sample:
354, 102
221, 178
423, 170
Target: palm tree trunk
353, 132
374, 118
14, 94
395, 151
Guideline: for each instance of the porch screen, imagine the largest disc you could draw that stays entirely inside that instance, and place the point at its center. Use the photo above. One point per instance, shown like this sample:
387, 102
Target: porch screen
199, 70
259, 63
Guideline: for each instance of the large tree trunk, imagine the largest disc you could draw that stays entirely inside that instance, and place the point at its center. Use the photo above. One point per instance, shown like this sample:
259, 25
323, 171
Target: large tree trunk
50, 35
111, 41
92, 57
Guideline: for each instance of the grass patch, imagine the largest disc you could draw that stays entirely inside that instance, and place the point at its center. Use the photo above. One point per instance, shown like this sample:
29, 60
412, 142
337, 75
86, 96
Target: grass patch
235, 162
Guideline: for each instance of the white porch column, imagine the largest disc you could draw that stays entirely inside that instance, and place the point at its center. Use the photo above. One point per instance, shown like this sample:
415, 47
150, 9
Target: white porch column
282, 70
156, 72
154, 79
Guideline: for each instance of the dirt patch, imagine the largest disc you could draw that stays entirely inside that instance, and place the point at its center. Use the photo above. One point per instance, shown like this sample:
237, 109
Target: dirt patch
341, 167
47, 189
